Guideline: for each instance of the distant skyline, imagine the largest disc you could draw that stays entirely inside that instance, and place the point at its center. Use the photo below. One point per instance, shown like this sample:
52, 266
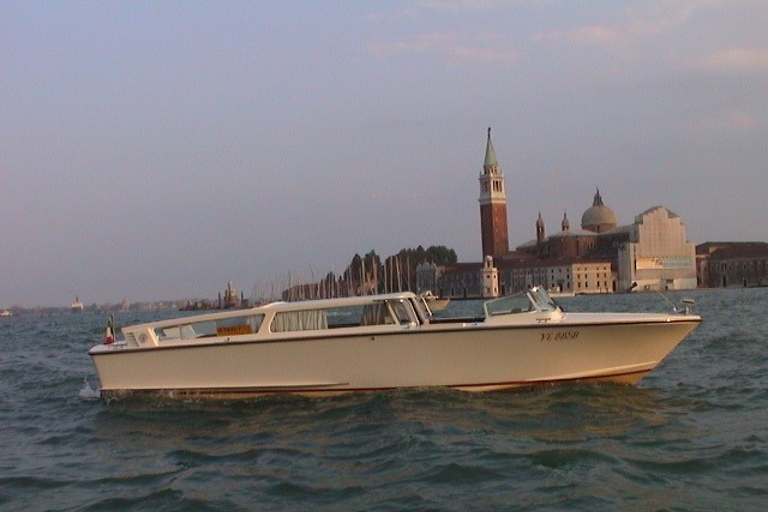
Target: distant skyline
157, 150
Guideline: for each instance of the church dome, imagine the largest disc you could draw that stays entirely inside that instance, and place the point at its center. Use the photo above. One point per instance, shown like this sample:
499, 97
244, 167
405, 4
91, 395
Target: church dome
598, 217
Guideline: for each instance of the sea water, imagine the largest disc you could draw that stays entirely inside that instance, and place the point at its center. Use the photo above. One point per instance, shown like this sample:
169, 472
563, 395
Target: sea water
692, 436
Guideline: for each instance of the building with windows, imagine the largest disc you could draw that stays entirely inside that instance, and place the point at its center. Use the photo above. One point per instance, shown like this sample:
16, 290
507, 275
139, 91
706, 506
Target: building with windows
602, 256
461, 281
566, 277
732, 264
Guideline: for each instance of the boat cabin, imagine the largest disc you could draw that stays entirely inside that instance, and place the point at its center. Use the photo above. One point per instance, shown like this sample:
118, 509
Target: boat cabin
286, 319
349, 315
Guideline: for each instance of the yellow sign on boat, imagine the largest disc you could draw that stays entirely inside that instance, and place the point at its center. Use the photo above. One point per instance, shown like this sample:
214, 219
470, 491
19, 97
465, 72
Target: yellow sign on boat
233, 330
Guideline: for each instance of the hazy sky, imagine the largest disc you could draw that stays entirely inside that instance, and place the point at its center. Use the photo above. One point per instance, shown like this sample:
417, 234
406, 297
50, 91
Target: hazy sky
156, 150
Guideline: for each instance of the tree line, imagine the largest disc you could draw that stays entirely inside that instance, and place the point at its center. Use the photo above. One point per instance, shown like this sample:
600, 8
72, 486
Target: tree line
369, 274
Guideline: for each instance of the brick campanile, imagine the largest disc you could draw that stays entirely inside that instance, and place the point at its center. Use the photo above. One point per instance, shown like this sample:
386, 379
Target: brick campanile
493, 205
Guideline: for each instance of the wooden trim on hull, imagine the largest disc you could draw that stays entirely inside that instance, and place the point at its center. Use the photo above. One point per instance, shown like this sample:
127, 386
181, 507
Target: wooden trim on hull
324, 390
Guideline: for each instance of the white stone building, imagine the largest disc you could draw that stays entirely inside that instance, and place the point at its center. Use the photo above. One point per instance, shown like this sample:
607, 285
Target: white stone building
657, 254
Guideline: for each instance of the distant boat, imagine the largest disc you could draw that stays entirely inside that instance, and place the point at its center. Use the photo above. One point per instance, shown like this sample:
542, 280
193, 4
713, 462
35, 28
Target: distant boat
557, 294
434, 302
5, 312
77, 306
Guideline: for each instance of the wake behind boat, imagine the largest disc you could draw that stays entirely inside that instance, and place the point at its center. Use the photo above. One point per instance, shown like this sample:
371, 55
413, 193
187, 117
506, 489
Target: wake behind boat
380, 342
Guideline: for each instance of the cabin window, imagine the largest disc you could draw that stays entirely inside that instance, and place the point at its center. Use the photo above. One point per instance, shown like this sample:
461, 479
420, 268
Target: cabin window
222, 327
346, 316
403, 312
331, 318
187, 331
376, 314
310, 320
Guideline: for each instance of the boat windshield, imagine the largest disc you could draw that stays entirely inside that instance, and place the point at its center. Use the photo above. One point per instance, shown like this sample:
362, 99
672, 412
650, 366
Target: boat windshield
535, 299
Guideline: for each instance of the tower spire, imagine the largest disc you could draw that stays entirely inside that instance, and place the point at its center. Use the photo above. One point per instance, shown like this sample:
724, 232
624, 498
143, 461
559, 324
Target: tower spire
540, 236
490, 154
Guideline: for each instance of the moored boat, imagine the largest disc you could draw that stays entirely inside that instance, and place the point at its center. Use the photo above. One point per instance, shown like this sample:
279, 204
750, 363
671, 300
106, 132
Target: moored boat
434, 302
379, 342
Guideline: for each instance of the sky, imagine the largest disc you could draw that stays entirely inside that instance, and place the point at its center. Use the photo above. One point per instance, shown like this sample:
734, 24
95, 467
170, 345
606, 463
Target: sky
156, 150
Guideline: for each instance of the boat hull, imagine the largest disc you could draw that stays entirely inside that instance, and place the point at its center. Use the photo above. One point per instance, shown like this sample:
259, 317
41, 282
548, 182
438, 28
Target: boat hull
469, 357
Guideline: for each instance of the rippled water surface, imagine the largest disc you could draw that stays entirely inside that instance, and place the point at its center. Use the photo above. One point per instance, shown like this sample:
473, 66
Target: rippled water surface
692, 436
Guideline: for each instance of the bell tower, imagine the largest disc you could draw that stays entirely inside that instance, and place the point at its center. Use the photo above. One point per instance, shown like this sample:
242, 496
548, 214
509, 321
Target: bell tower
493, 205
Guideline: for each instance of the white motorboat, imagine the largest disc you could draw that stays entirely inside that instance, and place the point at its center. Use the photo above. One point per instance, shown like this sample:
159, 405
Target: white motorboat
380, 342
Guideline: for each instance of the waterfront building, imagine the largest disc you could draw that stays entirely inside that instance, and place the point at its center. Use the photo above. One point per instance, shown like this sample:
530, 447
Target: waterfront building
571, 261
602, 256
732, 264
461, 281
656, 254
428, 277
566, 277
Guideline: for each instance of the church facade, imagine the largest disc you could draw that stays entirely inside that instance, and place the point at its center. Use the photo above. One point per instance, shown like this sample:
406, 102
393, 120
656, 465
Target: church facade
601, 256
656, 254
